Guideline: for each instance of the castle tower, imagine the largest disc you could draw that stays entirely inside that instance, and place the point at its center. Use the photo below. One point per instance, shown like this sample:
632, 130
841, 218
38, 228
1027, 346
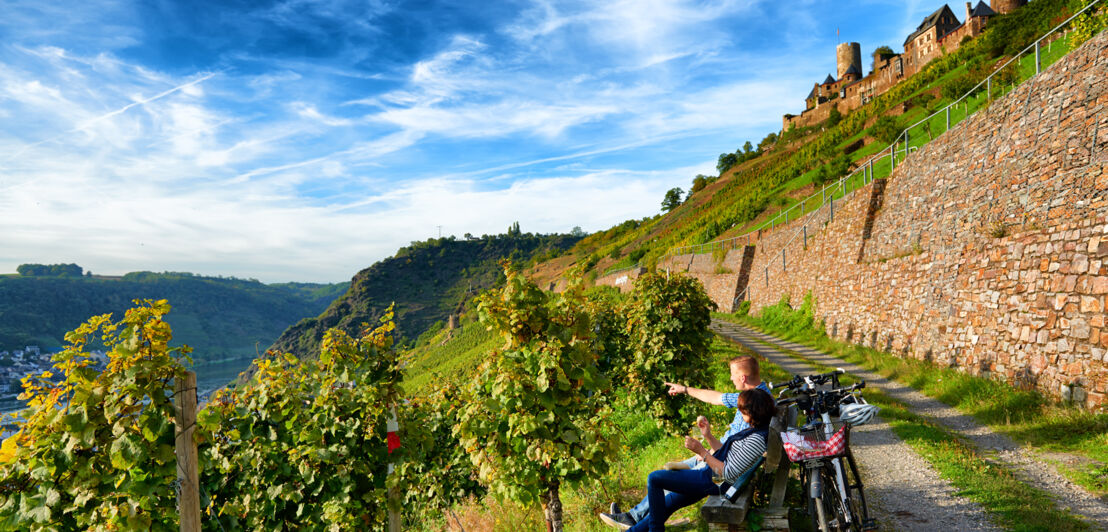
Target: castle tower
1006, 6
848, 54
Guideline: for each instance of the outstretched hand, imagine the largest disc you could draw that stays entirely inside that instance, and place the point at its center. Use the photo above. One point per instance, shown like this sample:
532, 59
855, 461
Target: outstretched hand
677, 389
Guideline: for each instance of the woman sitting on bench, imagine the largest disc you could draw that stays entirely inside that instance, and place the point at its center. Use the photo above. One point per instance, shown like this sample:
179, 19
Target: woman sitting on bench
669, 491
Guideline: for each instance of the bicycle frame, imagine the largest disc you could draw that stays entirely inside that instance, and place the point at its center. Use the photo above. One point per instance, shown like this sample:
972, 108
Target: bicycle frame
816, 409
836, 463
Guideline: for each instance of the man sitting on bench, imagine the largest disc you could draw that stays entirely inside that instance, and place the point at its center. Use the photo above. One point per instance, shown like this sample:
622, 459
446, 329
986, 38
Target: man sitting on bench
745, 375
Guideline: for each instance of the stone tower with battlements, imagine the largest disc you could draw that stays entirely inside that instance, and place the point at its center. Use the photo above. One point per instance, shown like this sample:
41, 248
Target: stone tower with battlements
848, 54
1006, 6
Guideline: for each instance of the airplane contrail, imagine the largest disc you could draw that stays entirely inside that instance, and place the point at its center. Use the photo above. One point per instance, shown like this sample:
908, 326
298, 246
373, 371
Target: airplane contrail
110, 114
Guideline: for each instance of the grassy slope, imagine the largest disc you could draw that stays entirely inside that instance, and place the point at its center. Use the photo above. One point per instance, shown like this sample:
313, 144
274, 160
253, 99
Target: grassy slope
455, 353
746, 197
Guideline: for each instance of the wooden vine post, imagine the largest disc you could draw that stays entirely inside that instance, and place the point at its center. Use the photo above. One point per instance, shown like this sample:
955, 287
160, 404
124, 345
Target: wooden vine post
188, 501
392, 428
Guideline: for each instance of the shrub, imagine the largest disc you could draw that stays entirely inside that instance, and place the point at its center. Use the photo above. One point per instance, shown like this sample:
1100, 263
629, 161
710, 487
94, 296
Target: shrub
537, 418
303, 444
427, 431
782, 317
636, 255
957, 87
97, 449
668, 320
886, 129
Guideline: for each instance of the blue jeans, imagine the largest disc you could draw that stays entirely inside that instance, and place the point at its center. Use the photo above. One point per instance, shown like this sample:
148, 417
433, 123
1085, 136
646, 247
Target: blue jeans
638, 513
669, 491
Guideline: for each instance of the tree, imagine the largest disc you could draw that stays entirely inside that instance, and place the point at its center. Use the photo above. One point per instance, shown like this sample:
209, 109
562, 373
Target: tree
577, 231
834, 116
513, 230
699, 183
537, 418
882, 50
672, 199
50, 270
726, 161
748, 147
767, 142
822, 175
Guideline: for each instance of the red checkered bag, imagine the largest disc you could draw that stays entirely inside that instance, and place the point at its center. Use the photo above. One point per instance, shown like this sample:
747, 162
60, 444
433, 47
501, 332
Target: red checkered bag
809, 444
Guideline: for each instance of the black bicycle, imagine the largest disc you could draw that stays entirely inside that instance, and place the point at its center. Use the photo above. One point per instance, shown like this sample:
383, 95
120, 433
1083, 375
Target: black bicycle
828, 472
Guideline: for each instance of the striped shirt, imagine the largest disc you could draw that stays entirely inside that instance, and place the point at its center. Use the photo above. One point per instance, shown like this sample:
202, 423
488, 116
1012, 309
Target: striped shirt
743, 455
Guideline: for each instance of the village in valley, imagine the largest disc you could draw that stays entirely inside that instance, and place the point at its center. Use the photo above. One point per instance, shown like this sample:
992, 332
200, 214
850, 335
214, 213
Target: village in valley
17, 363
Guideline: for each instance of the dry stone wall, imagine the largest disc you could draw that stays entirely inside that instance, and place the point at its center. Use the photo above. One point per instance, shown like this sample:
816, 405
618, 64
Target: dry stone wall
990, 248
720, 275
624, 280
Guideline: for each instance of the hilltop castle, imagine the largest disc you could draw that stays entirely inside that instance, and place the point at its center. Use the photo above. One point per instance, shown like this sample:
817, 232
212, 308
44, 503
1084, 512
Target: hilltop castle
940, 32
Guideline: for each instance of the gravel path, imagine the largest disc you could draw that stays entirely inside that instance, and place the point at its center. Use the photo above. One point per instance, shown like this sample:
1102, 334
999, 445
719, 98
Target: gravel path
902, 490
1024, 463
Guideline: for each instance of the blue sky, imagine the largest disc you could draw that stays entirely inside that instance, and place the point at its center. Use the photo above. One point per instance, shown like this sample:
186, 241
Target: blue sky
305, 140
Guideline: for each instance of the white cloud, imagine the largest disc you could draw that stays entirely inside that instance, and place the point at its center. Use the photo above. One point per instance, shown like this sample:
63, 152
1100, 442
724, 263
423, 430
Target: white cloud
285, 168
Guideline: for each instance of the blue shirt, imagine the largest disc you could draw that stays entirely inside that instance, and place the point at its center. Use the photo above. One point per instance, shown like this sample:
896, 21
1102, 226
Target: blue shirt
731, 400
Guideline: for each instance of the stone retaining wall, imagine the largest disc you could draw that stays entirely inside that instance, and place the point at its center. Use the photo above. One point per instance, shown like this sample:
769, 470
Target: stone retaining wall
989, 251
623, 280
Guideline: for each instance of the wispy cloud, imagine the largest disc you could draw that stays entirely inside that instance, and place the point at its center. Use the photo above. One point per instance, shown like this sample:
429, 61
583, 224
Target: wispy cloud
306, 139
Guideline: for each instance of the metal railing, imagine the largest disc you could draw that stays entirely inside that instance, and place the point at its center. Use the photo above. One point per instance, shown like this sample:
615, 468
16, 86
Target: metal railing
621, 270
899, 150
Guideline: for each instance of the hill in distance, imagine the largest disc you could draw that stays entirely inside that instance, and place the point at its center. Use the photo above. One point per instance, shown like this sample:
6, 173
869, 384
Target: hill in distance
428, 281
220, 318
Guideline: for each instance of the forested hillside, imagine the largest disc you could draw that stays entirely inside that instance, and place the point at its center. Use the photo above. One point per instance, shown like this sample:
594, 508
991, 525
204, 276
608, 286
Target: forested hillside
219, 317
427, 281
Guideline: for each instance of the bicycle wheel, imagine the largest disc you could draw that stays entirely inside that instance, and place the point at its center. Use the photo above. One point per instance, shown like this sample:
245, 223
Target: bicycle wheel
831, 506
856, 502
821, 498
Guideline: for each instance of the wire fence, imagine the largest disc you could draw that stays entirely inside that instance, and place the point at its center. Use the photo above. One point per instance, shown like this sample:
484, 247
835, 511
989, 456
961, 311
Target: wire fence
1046, 50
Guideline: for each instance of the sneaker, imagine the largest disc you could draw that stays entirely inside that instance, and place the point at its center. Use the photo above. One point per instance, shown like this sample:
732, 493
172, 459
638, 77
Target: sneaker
614, 508
621, 521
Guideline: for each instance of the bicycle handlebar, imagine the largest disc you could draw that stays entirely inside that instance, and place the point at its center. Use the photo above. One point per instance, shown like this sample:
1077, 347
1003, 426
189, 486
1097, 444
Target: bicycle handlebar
800, 382
842, 392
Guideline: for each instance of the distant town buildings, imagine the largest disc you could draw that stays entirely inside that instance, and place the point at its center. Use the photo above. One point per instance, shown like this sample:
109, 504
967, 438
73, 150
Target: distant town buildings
18, 363
939, 33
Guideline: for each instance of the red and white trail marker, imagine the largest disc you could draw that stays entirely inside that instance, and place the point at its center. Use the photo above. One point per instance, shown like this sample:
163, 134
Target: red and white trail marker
392, 427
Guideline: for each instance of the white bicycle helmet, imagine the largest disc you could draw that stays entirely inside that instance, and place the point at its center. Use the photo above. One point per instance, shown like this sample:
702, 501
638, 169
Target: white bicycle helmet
857, 413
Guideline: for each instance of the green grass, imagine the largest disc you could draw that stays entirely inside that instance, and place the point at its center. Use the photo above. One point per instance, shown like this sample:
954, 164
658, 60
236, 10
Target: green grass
457, 356
1014, 504
1026, 416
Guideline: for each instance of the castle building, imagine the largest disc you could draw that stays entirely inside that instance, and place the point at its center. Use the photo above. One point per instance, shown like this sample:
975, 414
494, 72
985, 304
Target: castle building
922, 45
939, 33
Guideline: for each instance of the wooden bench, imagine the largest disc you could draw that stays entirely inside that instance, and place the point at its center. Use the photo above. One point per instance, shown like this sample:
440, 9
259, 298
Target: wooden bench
722, 515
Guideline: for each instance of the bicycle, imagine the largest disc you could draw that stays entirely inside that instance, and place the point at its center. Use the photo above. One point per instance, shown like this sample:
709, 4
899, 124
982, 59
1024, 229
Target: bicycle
836, 495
